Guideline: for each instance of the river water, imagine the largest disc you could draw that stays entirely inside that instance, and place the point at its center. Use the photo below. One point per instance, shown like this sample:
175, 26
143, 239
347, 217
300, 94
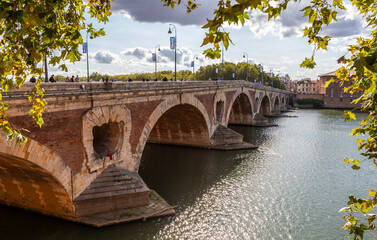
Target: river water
292, 187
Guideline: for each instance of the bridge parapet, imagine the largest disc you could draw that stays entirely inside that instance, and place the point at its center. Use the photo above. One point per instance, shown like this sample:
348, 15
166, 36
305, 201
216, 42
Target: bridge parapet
61, 88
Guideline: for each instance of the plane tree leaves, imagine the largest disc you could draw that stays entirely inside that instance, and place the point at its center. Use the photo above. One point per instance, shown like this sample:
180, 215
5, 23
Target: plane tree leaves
33, 30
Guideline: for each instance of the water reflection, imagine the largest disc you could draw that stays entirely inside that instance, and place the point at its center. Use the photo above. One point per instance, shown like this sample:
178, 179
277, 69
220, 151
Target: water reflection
290, 188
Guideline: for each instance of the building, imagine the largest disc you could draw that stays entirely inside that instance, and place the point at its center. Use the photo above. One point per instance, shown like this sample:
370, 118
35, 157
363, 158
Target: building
334, 95
306, 86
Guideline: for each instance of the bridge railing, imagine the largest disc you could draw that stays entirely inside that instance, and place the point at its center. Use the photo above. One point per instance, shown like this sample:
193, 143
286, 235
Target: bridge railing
64, 88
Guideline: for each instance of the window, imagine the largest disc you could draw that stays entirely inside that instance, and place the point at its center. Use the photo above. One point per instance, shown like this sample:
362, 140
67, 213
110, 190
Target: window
332, 92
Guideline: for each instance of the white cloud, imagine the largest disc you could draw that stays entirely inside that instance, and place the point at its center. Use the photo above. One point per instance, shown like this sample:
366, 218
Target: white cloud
105, 57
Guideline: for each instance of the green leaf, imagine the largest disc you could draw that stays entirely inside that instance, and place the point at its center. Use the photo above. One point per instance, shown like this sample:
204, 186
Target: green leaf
348, 115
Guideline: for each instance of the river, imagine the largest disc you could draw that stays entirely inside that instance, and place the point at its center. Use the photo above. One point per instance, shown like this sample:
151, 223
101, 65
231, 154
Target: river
292, 187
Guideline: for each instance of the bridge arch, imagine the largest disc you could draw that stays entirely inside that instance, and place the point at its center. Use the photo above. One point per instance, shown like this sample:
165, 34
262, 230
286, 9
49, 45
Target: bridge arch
240, 109
188, 120
265, 106
34, 177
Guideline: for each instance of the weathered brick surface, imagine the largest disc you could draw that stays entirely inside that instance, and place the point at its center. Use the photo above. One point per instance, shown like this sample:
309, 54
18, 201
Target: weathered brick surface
61, 132
182, 125
207, 101
59, 162
229, 96
29, 186
140, 113
241, 112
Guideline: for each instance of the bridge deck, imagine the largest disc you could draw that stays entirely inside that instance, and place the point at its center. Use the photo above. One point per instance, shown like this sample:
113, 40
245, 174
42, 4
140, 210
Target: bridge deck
63, 88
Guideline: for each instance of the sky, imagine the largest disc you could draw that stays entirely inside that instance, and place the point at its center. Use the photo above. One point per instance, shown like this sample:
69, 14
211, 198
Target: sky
136, 28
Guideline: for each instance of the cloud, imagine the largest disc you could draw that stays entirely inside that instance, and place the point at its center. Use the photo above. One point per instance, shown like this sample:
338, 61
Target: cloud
105, 57
291, 22
165, 55
153, 11
344, 27
139, 52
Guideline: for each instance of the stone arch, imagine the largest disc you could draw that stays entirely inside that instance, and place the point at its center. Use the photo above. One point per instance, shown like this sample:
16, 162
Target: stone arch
188, 102
219, 108
34, 177
112, 123
241, 109
265, 106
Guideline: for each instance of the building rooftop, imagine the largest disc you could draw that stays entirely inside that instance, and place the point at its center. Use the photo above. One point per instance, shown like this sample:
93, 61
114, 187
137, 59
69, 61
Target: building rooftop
328, 74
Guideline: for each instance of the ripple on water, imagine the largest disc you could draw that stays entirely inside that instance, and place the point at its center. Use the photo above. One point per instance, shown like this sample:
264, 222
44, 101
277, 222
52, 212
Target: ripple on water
290, 188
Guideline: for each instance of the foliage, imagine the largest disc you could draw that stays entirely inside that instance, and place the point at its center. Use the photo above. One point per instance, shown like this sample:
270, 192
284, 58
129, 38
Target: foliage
318, 12
183, 74
204, 73
32, 31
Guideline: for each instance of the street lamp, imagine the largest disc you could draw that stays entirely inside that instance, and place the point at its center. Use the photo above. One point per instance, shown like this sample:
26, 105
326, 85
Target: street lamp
272, 80
155, 61
175, 48
46, 68
193, 67
247, 65
261, 71
87, 54
222, 62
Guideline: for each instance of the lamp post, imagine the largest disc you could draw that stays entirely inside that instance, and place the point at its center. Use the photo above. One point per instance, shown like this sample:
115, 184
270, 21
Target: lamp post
87, 54
247, 65
46, 69
175, 49
222, 62
193, 67
155, 61
272, 80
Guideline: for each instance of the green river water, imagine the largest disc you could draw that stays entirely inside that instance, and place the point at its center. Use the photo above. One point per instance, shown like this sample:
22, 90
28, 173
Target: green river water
291, 187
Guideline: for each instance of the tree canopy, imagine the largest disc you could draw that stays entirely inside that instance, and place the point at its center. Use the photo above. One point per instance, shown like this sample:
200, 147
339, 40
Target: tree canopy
31, 31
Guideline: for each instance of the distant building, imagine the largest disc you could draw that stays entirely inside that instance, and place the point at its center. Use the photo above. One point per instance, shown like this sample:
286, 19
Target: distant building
306, 86
334, 95
286, 80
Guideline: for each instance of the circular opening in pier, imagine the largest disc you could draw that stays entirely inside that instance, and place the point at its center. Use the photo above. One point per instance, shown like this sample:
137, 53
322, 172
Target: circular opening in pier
107, 137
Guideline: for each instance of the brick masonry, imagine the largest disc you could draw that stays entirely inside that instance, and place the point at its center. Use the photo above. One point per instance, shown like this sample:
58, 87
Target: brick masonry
59, 162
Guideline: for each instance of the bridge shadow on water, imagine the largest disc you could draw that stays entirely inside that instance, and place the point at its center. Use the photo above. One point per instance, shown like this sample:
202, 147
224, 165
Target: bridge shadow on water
181, 175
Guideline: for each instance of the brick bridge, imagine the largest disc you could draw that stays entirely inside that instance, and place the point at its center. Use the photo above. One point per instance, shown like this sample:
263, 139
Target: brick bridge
65, 168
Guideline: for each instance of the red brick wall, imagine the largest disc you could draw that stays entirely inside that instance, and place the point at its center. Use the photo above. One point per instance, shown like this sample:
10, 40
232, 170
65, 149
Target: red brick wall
140, 113
29, 186
61, 132
335, 97
229, 96
182, 125
207, 101
241, 111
